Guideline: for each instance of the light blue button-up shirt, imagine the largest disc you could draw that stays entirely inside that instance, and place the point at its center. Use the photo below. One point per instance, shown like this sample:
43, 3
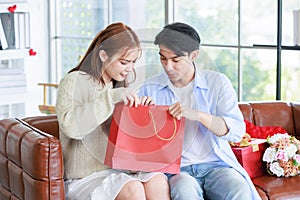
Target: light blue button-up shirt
213, 94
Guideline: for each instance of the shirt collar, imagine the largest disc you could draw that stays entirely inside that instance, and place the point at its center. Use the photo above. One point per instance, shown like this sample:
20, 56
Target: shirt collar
200, 80
165, 82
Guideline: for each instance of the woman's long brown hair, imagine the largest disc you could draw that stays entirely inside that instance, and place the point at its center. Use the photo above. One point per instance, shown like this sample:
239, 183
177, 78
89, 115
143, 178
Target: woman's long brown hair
114, 39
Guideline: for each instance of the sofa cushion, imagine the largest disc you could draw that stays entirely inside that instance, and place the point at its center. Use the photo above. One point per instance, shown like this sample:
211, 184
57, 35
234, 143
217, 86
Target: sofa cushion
261, 193
279, 188
4, 193
17, 185
5, 125
4, 180
13, 142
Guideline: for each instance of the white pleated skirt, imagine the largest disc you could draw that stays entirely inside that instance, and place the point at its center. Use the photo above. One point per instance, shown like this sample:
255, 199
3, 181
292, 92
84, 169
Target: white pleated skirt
104, 185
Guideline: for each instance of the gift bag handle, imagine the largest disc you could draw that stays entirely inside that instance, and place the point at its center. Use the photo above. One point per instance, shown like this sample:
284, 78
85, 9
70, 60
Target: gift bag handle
157, 135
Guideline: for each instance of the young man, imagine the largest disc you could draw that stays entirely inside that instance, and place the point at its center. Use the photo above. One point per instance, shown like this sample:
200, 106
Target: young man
208, 102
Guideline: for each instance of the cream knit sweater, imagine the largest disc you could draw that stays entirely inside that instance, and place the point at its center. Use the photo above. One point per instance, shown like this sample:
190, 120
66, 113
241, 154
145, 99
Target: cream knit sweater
82, 107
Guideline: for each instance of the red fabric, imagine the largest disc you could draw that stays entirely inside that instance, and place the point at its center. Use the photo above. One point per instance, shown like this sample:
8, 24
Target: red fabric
262, 131
146, 138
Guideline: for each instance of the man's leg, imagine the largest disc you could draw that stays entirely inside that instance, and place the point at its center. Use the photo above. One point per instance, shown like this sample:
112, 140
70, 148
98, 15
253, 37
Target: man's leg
226, 183
183, 187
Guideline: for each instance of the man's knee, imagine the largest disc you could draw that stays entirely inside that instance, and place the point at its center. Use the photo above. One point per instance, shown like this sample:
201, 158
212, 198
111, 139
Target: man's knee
243, 191
184, 186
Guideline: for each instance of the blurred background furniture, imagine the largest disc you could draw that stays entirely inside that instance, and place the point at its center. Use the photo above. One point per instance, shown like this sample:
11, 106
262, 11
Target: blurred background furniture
46, 108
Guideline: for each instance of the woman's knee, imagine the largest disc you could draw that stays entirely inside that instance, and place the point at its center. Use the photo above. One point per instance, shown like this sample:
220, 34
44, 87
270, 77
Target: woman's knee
157, 187
132, 190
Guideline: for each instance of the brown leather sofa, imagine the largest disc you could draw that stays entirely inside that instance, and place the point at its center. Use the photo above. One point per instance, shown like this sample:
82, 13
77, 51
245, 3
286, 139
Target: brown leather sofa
286, 115
31, 165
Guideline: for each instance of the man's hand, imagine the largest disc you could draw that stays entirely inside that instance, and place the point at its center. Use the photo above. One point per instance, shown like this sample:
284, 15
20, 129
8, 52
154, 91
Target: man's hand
178, 111
215, 124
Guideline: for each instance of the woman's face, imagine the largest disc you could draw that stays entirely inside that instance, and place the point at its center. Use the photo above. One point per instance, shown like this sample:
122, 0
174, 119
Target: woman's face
118, 68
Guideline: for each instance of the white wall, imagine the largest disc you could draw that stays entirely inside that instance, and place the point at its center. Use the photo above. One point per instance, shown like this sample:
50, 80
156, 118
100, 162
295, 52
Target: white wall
36, 67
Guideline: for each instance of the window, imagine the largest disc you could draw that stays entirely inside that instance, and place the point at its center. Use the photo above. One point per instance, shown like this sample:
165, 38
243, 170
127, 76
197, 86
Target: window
78, 22
233, 36
215, 21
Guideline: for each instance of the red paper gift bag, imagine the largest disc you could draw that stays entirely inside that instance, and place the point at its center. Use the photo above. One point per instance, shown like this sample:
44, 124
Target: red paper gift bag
250, 157
145, 138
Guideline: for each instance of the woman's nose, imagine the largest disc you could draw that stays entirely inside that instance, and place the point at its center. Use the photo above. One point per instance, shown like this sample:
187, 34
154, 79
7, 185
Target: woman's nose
130, 66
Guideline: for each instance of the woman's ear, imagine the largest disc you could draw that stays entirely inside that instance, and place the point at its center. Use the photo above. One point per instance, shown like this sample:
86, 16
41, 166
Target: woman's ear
194, 55
103, 56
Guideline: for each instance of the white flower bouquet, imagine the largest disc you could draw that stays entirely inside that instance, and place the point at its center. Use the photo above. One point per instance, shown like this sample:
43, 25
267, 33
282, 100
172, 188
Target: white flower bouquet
283, 155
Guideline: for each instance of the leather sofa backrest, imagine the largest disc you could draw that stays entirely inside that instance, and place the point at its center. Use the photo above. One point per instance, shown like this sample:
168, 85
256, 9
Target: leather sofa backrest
246, 110
273, 114
296, 114
30, 162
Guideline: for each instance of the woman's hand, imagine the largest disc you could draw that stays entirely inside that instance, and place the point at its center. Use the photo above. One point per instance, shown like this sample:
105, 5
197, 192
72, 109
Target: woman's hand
130, 97
146, 101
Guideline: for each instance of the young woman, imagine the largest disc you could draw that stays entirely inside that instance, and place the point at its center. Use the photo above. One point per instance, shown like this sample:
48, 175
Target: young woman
85, 102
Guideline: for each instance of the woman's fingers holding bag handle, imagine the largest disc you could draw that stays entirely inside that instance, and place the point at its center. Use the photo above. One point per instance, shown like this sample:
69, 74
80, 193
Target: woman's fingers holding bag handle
136, 100
131, 98
146, 101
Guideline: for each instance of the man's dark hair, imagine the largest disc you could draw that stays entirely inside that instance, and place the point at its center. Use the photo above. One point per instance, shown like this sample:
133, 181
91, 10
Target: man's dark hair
179, 38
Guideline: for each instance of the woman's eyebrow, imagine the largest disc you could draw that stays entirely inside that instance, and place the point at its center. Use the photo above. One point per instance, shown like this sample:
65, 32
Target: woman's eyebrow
123, 59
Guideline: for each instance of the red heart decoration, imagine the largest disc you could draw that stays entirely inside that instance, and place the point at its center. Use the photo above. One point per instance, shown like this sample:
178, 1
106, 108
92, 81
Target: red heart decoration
32, 53
12, 8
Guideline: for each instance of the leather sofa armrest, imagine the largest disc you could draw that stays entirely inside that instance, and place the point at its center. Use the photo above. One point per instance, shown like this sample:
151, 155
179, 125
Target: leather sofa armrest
32, 162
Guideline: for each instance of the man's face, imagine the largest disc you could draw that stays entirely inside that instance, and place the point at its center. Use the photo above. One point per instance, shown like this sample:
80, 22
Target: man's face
180, 69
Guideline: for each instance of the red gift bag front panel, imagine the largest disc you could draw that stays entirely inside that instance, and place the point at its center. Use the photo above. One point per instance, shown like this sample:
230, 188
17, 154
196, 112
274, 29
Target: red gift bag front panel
155, 141
146, 138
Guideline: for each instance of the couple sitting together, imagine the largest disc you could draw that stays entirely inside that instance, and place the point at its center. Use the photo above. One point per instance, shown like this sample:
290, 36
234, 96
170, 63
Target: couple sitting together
206, 99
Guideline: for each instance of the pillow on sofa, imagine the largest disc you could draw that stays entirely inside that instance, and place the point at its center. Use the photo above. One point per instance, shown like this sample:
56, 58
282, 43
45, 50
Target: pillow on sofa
262, 132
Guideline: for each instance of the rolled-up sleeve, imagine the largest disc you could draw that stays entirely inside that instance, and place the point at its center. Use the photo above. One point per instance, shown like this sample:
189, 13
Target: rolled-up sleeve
227, 108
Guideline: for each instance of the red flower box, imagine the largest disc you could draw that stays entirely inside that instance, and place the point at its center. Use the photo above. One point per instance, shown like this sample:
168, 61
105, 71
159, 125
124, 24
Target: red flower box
250, 157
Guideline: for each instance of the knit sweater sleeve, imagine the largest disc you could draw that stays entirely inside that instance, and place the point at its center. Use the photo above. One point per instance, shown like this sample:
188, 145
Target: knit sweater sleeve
82, 106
